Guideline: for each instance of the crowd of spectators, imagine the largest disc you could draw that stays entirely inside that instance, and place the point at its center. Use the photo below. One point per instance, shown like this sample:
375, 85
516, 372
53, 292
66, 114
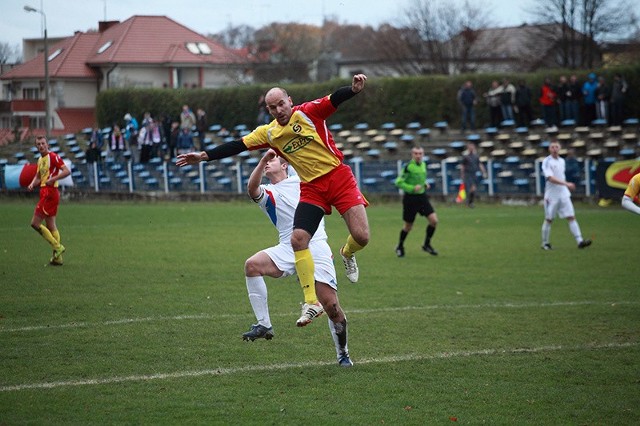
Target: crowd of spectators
164, 137
567, 100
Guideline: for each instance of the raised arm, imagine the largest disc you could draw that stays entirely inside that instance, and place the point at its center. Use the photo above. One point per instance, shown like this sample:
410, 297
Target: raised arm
253, 184
347, 92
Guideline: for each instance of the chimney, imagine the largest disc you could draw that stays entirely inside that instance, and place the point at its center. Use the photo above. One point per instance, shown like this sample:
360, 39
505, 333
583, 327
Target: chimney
105, 25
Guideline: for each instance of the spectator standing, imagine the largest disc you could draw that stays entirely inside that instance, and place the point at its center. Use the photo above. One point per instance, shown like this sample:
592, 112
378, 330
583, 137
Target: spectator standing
572, 99
201, 126
557, 197
548, 99
507, 99
172, 142
117, 143
467, 100
523, 104
263, 112
131, 128
187, 122
493, 101
589, 98
619, 90
96, 137
93, 157
469, 170
563, 88
278, 200
413, 182
602, 99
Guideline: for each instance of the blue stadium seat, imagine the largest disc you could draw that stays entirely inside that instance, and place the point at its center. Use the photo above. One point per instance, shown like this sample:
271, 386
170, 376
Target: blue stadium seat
631, 122
336, 127
361, 126
215, 128
388, 126
414, 125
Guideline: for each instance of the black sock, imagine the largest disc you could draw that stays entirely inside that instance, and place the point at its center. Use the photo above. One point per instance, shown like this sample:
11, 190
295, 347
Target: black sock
430, 231
403, 236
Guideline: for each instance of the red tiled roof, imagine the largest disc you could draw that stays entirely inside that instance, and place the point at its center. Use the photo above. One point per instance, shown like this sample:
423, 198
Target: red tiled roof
76, 119
70, 63
138, 40
157, 40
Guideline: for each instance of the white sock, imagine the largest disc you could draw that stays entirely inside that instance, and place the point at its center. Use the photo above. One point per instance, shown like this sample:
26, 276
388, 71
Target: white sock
575, 230
546, 231
257, 289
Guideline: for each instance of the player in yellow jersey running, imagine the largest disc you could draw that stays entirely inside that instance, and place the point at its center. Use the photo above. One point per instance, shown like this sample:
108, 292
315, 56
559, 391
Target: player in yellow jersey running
632, 191
300, 135
51, 169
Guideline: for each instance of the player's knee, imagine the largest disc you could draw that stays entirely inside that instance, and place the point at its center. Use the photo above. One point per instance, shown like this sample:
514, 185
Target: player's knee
251, 268
35, 226
300, 239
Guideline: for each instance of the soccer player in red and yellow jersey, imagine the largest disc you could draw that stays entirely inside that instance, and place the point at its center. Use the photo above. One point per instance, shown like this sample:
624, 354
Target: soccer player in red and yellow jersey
300, 135
51, 168
632, 191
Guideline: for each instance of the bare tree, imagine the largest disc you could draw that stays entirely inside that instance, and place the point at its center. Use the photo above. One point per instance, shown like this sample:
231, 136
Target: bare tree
9, 53
584, 23
235, 37
441, 35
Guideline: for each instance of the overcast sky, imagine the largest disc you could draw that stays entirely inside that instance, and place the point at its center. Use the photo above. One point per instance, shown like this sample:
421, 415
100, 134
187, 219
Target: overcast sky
212, 16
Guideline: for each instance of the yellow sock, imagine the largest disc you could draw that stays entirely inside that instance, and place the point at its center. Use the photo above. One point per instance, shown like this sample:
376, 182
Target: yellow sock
305, 270
56, 235
46, 234
351, 247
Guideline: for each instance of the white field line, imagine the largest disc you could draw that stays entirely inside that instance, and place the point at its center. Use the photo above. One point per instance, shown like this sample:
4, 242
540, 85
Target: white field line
348, 311
286, 366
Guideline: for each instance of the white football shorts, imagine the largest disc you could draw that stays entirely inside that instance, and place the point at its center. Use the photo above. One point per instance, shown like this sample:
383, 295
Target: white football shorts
561, 207
325, 271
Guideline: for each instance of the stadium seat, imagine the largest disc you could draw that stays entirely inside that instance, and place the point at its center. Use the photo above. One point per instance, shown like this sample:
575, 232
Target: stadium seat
522, 130
390, 146
361, 126
631, 122
414, 125
568, 123
388, 126
457, 146
336, 127
215, 128
600, 122
442, 126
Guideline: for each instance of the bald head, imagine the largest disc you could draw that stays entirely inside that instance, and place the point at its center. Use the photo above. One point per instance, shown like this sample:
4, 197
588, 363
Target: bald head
279, 105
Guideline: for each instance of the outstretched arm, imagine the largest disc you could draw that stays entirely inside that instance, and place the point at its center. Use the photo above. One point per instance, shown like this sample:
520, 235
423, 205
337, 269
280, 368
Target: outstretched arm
220, 151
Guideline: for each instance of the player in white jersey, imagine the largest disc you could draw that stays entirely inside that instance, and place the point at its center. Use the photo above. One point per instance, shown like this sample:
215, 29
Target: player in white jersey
279, 200
557, 197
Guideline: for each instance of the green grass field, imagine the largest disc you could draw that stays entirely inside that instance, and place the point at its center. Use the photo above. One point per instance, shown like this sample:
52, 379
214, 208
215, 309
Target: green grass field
142, 324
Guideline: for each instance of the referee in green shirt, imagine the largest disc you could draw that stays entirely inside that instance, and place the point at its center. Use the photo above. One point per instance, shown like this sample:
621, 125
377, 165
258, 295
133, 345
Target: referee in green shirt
413, 181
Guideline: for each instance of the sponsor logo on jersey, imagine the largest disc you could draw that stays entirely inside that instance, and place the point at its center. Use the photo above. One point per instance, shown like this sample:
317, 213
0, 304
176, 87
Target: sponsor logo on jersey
297, 144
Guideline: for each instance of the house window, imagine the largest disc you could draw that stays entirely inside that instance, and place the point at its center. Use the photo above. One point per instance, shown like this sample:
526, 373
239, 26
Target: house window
54, 54
105, 46
37, 122
31, 93
198, 48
